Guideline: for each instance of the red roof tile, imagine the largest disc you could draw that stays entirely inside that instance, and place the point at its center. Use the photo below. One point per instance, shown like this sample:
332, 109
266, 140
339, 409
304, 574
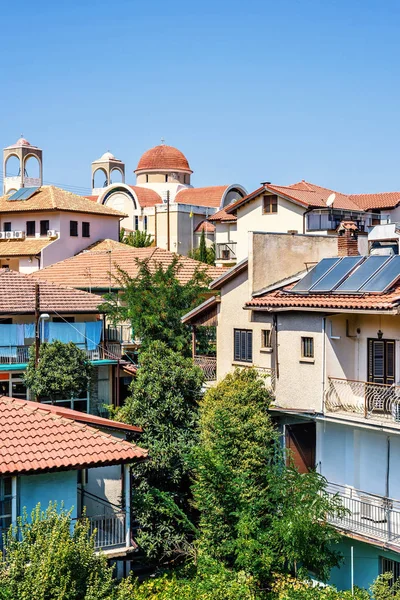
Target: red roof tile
205, 226
282, 298
17, 296
378, 201
204, 196
93, 269
222, 215
146, 196
34, 439
163, 157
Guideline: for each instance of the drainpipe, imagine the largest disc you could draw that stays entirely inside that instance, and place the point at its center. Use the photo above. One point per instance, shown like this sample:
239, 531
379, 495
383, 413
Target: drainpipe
127, 493
323, 360
275, 325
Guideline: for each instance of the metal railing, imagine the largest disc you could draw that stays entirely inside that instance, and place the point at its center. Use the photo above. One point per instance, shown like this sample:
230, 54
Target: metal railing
109, 530
208, 364
14, 354
373, 516
375, 401
119, 333
226, 251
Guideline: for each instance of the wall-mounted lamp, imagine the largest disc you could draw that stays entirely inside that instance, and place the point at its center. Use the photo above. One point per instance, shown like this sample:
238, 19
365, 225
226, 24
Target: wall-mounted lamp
380, 334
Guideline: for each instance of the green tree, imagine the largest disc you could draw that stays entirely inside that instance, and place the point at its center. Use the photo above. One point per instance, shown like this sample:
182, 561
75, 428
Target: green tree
209, 256
47, 558
164, 402
257, 514
203, 248
63, 371
137, 239
154, 301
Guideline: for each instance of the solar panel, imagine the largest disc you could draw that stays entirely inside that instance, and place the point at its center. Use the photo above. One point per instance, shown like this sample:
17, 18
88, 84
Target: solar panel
23, 193
315, 275
337, 274
362, 274
385, 277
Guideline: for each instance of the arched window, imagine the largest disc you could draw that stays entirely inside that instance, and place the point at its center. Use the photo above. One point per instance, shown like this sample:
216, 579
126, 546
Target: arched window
99, 178
32, 167
116, 176
12, 166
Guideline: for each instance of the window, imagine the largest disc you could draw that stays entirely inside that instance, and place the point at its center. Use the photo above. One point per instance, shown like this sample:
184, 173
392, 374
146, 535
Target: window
266, 338
307, 347
166, 179
381, 361
63, 319
136, 222
73, 228
390, 566
145, 223
85, 229
243, 345
147, 179
31, 228
44, 227
7, 226
270, 204
186, 179
5, 505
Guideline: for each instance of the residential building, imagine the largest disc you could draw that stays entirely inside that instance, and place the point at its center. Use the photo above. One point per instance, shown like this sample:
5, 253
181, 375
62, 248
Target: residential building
326, 337
302, 207
162, 201
31, 310
52, 454
50, 225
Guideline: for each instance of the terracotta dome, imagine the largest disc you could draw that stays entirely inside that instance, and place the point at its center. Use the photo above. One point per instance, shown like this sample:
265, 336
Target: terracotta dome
21, 142
165, 158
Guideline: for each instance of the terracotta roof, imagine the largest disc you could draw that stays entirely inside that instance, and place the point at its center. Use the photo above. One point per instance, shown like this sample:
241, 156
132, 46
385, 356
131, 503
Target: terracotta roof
303, 192
222, 215
204, 196
91, 268
21, 142
163, 157
229, 274
33, 438
91, 198
17, 296
105, 245
90, 419
49, 197
26, 247
378, 201
146, 196
282, 298
205, 226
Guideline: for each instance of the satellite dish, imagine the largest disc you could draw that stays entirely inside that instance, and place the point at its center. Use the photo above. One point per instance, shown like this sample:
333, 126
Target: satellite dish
331, 199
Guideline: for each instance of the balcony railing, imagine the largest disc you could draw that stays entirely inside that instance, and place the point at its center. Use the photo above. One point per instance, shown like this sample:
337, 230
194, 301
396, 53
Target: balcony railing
225, 251
208, 364
369, 515
119, 333
109, 530
375, 401
20, 354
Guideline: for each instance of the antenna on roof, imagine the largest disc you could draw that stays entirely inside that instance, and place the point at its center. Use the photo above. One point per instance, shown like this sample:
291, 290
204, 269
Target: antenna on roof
330, 199
162, 141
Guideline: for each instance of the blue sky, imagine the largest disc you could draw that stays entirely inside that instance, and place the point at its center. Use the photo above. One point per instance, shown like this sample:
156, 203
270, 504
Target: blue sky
249, 90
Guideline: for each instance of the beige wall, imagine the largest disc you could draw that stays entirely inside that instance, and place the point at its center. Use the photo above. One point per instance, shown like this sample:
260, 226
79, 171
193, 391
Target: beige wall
273, 257
251, 218
160, 178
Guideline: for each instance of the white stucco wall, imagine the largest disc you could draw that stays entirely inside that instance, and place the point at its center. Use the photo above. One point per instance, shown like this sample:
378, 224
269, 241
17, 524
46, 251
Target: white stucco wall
18, 220
101, 227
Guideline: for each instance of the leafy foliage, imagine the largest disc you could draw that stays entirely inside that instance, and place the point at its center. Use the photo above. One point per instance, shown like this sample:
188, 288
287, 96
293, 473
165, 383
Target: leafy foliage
257, 515
137, 239
290, 588
207, 255
154, 301
63, 371
164, 402
383, 588
52, 560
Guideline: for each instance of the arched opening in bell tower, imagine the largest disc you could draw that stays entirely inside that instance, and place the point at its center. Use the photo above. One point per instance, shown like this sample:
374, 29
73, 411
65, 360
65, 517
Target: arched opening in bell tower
116, 176
99, 178
12, 166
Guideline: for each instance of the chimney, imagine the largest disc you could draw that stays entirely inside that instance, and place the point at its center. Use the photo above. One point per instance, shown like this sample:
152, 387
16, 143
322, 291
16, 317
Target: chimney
347, 239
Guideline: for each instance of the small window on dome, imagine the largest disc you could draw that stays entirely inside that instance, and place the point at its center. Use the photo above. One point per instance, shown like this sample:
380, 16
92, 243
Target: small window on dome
147, 179
166, 179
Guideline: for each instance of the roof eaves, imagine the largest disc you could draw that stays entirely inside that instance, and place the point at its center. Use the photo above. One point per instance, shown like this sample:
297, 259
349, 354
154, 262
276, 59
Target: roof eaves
230, 274
204, 306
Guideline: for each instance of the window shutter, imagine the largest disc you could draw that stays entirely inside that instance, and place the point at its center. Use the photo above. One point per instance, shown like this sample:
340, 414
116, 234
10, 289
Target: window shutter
390, 362
249, 353
236, 352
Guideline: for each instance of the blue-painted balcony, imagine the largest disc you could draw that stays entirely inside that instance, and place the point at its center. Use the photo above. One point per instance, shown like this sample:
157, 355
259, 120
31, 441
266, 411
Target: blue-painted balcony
17, 338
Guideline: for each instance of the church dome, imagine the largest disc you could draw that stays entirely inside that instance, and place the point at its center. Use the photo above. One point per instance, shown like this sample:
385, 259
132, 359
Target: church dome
107, 156
22, 142
165, 158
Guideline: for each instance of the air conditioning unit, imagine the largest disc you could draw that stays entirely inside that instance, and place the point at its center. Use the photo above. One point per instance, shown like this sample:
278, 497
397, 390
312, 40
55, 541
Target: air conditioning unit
2, 235
52, 233
370, 511
9, 235
19, 235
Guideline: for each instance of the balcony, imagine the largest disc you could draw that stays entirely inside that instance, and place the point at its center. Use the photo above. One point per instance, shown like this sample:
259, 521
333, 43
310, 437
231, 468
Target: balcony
374, 517
326, 219
225, 252
360, 399
208, 364
109, 531
20, 354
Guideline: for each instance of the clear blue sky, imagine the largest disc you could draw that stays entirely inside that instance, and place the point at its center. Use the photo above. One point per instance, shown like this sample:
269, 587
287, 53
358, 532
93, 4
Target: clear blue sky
249, 90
